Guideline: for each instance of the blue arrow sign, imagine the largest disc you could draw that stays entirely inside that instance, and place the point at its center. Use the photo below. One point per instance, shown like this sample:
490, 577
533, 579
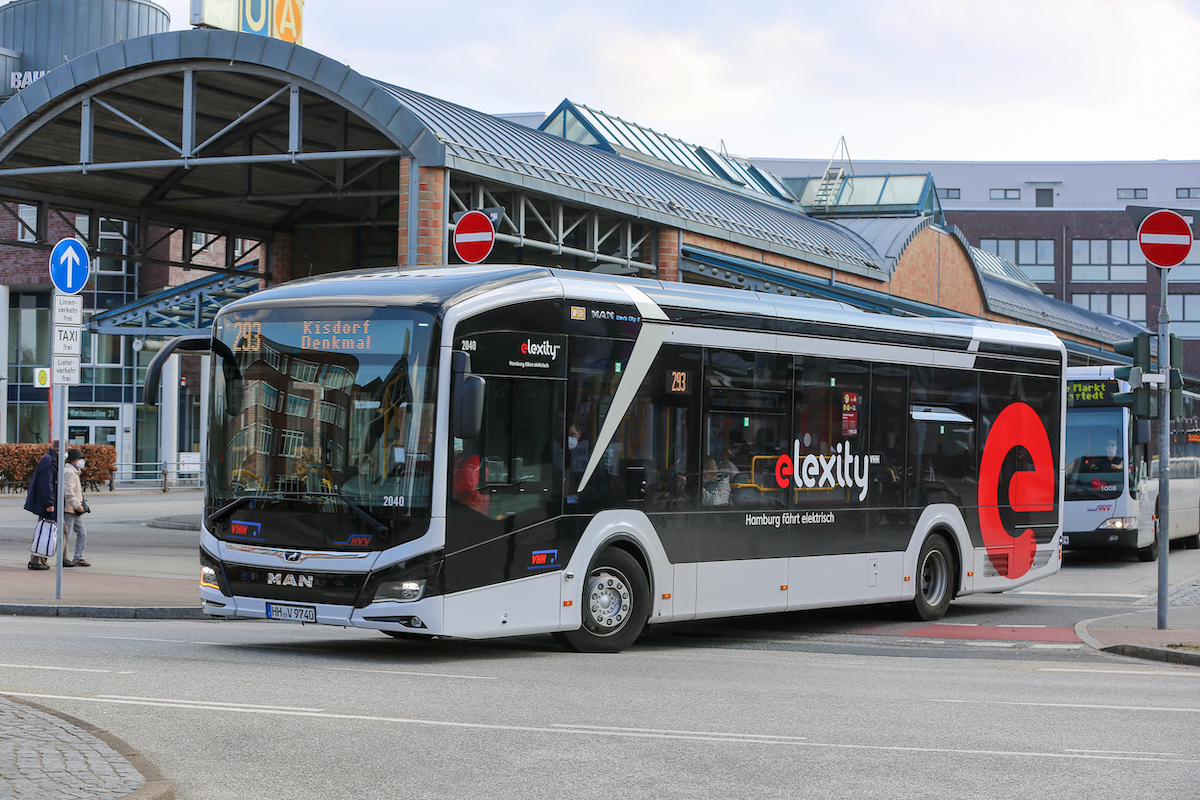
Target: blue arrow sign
69, 266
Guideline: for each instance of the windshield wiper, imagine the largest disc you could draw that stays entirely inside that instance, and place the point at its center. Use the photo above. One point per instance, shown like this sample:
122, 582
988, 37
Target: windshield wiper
238, 502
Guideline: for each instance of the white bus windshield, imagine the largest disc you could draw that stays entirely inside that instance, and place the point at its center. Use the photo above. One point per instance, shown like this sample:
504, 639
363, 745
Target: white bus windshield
1096, 456
327, 411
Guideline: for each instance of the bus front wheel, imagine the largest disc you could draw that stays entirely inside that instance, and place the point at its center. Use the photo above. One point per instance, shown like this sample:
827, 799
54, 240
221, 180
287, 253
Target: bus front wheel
935, 579
616, 605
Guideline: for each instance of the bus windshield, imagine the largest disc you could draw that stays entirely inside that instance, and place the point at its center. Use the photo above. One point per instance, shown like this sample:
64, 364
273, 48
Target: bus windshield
323, 416
1096, 458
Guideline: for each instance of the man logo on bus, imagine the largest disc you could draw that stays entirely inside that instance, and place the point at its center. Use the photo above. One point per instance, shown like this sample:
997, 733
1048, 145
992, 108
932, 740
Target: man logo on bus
1011, 544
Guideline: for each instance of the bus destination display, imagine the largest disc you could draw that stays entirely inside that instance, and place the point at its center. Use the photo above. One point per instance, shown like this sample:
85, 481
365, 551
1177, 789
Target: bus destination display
1090, 393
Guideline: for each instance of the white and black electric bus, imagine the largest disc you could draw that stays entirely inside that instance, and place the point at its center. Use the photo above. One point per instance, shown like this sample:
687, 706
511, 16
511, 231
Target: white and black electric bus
490, 451
1111, 492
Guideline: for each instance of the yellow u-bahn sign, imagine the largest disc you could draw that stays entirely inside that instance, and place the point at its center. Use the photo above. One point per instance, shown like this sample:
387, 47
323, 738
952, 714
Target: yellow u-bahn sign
280, 19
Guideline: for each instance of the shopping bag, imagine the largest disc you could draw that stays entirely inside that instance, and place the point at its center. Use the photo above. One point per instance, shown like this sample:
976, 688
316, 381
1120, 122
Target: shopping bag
45, 539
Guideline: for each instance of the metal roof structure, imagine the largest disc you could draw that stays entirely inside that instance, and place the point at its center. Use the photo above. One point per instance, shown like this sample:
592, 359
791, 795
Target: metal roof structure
485, 146
248, 135
189, 308
874, 195
588, 126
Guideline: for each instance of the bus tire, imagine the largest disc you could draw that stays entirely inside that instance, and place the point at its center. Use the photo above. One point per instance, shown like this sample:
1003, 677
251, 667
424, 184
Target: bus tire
1149, 552
1192, 542
616, 605
935, 579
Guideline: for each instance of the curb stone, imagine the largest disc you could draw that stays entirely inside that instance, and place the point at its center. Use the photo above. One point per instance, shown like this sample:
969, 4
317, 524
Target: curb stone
156, 785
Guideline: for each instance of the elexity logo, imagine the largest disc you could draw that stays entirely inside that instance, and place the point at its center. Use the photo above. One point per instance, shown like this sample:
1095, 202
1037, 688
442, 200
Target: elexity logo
544, 348
840, 469
1011, 549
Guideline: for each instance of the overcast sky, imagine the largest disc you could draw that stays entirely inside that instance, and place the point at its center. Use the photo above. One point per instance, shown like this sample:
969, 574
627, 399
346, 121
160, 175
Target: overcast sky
1045, 80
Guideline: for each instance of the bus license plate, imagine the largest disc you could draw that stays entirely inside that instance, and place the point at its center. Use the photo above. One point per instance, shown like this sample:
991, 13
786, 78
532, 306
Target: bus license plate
291, 613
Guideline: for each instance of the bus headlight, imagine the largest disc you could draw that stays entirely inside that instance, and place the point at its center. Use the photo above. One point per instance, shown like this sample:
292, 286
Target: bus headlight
406, 582
211, 574
400, 591
1118, 524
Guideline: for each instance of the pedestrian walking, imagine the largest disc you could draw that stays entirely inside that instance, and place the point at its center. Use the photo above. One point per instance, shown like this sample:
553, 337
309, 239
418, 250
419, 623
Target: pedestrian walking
74, 508
42, 498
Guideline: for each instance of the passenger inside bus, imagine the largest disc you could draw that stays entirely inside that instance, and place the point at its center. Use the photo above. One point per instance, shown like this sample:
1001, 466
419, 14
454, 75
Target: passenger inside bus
467, 479
714, 488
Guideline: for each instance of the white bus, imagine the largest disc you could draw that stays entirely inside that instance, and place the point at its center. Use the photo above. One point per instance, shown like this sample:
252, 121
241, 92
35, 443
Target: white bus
1111, 494
490, 451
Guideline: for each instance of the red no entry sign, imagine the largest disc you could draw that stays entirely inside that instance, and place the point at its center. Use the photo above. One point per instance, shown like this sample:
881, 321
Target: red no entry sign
1165, 238
474, 237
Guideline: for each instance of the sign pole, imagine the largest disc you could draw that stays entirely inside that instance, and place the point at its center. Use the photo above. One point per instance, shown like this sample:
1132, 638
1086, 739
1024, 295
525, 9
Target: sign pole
1164, 451
70, 268
61, 427
1165, 238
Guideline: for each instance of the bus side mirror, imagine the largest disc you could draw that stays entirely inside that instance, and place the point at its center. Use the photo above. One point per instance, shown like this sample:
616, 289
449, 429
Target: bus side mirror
468, 406
1141, 431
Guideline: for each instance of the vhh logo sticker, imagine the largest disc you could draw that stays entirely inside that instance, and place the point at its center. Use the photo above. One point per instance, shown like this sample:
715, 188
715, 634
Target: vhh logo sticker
1011, 544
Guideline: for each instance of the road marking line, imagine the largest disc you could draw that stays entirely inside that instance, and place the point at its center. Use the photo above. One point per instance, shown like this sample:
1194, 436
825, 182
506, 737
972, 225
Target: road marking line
1127, 753
421, 674
1077, 594
981, 643
1072, 705
592, 731
1179, 674
58, 669
747, 736
209, 703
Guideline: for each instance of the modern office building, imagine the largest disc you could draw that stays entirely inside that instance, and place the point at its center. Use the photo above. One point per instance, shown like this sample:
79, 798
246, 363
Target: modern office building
1063, 223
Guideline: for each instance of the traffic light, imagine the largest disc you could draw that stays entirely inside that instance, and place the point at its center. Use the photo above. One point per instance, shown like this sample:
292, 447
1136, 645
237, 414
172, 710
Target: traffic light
1176, 377
1138, 400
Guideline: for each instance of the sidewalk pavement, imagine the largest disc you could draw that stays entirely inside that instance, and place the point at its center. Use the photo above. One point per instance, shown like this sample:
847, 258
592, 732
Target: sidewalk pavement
44, 754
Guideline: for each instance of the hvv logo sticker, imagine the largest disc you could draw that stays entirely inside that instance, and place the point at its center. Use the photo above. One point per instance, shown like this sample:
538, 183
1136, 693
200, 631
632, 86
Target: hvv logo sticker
543, 559
245, 530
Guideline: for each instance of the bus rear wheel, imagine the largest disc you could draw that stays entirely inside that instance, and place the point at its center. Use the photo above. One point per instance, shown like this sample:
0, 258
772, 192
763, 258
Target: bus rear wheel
616, 605
935, 579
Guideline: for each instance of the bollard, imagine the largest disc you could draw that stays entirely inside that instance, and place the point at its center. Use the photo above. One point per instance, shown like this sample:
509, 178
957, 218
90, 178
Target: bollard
166, 484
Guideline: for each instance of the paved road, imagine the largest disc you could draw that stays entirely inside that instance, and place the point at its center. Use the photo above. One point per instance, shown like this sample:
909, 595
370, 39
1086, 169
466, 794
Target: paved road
246, 709
1000, 699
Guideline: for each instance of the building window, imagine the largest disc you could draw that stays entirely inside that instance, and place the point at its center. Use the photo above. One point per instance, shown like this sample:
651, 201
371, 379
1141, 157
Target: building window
1189, 270
1107, 260
1128, 306
1005, 194
1044, 198
1191, 193
27, 230
1131, 194
1035, 257
949, 194
1185, 314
